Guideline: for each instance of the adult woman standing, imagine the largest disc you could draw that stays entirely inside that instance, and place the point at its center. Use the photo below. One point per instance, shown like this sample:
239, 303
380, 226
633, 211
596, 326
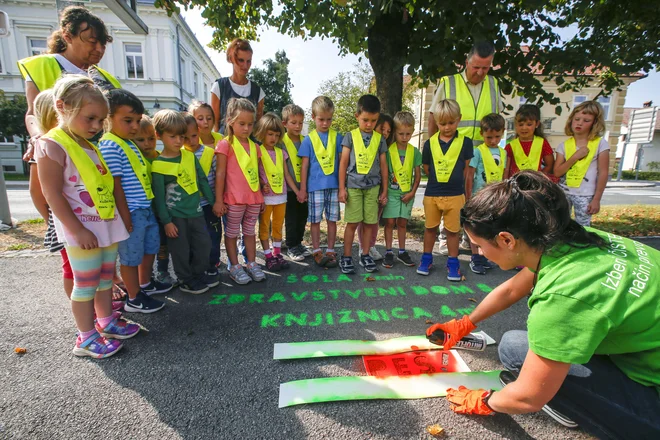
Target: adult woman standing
239, 54
591, 355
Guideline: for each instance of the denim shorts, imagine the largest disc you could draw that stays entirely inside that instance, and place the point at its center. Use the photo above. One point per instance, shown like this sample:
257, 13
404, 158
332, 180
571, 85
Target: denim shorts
144, 240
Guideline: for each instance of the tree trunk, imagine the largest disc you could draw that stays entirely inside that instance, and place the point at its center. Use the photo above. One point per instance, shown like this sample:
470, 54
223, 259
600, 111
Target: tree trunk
387, 43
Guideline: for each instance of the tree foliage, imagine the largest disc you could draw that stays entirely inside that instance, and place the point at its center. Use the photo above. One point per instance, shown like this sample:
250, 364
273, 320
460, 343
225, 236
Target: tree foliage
274, 79
605, 40
12, 115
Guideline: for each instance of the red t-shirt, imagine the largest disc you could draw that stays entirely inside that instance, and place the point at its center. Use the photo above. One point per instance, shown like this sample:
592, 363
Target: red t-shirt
526, 146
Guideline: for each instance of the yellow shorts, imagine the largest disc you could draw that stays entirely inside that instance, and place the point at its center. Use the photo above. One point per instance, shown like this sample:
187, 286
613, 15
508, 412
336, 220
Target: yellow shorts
448, 208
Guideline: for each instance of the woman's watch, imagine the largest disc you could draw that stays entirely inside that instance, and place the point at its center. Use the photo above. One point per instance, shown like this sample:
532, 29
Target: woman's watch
486, 398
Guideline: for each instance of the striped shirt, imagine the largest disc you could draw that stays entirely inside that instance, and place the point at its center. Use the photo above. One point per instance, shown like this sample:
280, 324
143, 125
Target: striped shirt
211, 176
120, 167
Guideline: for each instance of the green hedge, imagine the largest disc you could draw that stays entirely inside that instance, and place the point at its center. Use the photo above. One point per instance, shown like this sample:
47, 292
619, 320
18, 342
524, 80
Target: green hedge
643, 175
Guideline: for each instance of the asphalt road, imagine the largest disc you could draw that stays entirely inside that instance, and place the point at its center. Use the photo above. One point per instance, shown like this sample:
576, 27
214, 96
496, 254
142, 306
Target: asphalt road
202, 368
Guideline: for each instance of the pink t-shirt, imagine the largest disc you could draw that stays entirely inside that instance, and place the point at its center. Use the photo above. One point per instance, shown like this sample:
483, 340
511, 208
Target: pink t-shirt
273, 198
237, 189
107, 231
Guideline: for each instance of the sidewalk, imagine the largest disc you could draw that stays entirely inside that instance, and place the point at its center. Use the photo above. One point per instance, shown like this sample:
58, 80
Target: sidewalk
610, 184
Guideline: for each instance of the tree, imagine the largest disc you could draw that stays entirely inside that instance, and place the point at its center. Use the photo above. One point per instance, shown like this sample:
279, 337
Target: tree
274, 79
12, 116
430, 39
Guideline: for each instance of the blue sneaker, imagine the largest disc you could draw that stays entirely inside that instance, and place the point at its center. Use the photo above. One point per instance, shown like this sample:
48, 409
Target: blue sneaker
425, 264
97, 347
143, 304
477, 264
453, 269
118, 329
156, 286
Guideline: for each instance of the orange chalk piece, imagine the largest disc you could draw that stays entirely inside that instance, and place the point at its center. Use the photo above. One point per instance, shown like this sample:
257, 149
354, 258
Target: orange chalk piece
20, 350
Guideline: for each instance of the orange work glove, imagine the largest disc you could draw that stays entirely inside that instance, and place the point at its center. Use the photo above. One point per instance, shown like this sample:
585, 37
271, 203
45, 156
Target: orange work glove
466, 401
454, 331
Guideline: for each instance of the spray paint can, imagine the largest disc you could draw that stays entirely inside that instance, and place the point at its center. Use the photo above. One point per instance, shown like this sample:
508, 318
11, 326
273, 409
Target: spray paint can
472, 342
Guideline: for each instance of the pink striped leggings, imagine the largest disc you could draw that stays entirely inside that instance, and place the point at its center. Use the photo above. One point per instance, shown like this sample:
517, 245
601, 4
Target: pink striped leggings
241, 217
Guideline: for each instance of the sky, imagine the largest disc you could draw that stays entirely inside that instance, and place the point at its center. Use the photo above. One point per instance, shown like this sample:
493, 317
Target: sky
314, 61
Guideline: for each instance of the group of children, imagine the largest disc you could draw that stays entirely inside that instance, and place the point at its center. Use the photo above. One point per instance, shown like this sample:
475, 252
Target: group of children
125, 198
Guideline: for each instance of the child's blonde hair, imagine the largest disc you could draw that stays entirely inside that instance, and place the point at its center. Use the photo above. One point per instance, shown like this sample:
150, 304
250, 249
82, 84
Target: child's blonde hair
531, 112
292, 110
145, 123
196, 105
322, 104
170, 121
44, 111
268, 122
446, 110
594, 109
403, 118
75, 91
234, 109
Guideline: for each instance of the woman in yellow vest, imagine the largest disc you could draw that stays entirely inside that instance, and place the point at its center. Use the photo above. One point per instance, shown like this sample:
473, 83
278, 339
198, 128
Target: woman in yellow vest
583, 160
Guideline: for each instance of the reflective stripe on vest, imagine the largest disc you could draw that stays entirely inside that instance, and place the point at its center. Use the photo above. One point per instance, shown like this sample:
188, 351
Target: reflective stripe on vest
248, 162
365, 156
444, 163
494, 172
293, 156
44, 70
471, 112
184, 171
274, 170
138, 163
402, 172
576, 173
531, 161
99, 186
325, 155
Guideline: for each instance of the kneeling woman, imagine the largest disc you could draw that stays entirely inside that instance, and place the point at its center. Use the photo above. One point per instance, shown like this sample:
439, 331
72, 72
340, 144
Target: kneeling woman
591, 354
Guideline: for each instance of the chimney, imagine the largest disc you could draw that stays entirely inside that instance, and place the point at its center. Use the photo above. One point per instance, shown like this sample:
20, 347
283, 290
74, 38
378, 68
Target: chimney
647, 104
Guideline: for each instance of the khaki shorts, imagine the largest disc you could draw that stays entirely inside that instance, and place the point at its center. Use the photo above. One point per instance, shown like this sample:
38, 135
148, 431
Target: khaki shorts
448, 208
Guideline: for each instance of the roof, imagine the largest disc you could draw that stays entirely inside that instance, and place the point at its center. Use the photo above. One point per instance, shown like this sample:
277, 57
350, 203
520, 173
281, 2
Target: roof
626, 117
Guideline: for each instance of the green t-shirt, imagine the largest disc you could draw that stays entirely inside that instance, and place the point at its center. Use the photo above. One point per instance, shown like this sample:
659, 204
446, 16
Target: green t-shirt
417, 162
600, 301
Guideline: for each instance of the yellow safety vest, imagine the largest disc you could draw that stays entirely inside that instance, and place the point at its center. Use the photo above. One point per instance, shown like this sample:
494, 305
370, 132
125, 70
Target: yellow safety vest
138, 163
494, 172
576, 173
364, 156
248, 162
471, 112
325, 155
274, 170
403, 172
293, 156
99, 186
444, 163
207, 158
523, 161
44, 70
185, 172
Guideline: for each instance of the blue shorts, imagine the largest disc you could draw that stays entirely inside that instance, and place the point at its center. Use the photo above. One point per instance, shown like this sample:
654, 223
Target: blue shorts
323, 200
144, 240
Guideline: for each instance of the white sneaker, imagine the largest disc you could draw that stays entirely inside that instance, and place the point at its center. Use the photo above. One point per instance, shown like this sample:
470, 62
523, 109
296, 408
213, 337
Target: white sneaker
442, 247
374, 254
465, 244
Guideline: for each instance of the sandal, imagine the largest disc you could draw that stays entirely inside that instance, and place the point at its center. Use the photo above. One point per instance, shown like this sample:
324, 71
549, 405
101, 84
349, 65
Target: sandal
332, 259
320, 258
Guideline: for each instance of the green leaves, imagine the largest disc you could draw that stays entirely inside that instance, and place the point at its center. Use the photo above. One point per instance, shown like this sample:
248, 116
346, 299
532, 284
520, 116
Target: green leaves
274, 79
12, 115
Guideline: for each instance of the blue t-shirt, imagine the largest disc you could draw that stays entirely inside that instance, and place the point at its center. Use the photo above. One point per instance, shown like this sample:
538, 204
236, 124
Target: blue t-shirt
316, 178
119, 166
477, 162
455, 186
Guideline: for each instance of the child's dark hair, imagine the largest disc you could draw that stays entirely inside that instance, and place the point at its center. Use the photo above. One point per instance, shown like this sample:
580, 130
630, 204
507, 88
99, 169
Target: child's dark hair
190, 119
369, 104
383, 118
119, 97
492, 122
531, 208
531, 112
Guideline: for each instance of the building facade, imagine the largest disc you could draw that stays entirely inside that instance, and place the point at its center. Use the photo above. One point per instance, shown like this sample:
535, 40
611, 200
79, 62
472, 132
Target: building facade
167, 68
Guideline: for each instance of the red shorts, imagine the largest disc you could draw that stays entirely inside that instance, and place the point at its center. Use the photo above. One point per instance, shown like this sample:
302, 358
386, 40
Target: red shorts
67, 273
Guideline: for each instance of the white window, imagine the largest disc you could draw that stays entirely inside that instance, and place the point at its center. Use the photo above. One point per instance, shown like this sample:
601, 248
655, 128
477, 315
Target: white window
605, 101
196, 84
134, 61
206, 92
547, 124
579, 99
183, 74
37, 46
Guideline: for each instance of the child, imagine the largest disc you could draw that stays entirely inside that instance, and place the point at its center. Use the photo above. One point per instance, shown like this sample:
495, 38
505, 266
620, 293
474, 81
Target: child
145, 139
178, 179
273, 176
237, 192
487, 166
205, 117
529, 150
133, 194
583, 160
363, 169
445, 157
206, 157
320, 152
403, 165
295, 218
77, 185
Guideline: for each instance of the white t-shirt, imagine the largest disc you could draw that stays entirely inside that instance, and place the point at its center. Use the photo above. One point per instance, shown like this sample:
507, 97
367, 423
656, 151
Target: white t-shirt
240, 89
67, 65
588, 185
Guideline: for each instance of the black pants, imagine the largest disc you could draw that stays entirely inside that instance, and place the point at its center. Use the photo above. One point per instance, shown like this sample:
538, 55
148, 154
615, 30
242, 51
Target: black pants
295, 220
190, 250
214, 228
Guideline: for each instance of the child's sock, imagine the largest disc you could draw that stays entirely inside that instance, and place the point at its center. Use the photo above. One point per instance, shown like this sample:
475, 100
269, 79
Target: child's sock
277, 248
145, 285
401, 251
427, 254
83, 336
103, 322
316, 250
331, 250
268, 253
388, 251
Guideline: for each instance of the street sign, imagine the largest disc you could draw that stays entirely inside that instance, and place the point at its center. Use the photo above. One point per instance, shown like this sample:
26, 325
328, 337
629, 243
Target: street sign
641, 129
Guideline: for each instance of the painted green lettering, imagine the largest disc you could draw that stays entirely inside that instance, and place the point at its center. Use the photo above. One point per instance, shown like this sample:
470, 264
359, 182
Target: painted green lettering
401, 291
329, 319
446, 311
298, 296
344, 277
300, 320
256, 298
292, 279
277, 297
318, 295
418, 312
310, 278
217, 299
419, 290
384, 315
372, 315
391, 291
236, 298
397, 312
270, 320
461, 289
318, 319
345, 317
484, 287
368, 291
326, 279
440, 290
354, 294
334, 293
465, 310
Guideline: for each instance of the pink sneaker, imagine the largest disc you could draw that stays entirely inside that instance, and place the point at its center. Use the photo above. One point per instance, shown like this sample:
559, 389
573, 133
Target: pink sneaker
118, 329
118, 305
97, 347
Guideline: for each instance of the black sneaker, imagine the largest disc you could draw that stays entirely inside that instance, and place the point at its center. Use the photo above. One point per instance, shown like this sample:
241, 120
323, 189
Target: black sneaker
388, 261
477, 264
211, 279
506, 377
194, 286
156, 286
404, 257
143, 304
346, 265
368, 263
